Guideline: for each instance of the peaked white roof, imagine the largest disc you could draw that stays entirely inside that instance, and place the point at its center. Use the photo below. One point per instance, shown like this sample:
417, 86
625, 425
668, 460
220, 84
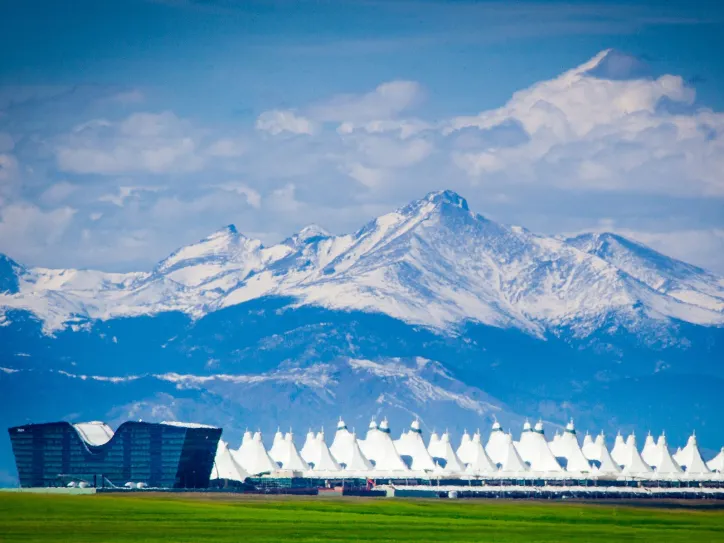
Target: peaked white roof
225, 466
571, 451
411, 444
633, 463
690, 458
592, 448
608, 465
512, 463
665, 464
717, 463
650, 453
452, 463
435, 447
533, 449
465, 449
252, 456
290, 457
324, 461
380, 449
478, 460
342, 445
356, 460
309, 449
278, 449
618, 453
497, 446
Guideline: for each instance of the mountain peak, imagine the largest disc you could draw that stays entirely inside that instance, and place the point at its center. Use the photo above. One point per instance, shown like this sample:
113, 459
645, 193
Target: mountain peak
447, 197
312, 231
229, 229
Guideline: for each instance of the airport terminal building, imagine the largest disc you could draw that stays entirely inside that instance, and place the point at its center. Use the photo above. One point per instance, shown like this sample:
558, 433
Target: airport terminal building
159, 455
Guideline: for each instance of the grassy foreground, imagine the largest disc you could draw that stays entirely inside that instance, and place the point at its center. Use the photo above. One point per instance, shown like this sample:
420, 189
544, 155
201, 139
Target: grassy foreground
221, 518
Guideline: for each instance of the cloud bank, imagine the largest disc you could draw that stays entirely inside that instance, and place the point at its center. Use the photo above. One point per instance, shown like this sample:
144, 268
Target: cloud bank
607, 142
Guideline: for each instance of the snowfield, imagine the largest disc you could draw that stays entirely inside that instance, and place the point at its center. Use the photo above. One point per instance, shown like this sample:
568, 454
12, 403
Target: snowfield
433, 263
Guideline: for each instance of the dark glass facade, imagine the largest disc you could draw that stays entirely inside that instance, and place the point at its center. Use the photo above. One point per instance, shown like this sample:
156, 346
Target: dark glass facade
158, 455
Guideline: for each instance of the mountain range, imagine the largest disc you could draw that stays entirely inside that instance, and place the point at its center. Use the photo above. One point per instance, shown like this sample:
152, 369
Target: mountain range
430, 310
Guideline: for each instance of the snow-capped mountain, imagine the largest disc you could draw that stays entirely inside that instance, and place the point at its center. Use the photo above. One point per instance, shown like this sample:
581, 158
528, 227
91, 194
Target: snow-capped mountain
430, 311
433, 262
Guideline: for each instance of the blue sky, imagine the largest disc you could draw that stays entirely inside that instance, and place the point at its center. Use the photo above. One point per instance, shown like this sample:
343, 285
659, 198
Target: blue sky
130, 128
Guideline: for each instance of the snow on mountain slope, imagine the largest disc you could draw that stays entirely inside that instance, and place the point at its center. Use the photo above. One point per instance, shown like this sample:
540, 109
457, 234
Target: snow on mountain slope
432, 262
684, 282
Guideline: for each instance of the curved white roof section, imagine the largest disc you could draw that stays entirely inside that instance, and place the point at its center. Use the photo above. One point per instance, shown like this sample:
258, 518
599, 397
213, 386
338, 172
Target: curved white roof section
94, 433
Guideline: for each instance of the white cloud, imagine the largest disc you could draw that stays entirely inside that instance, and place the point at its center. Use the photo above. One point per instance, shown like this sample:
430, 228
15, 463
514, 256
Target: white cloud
372, 178
6, 142
405, 127
26, 230
8, 167
702, 247
385, 102
253, 198
389, 153
284, 199
57, 193
124, 193
590, 133
226, 148
143, 142
277, 121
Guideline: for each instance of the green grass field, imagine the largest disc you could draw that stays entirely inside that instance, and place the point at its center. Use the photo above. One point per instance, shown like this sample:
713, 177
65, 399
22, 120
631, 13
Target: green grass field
221, 518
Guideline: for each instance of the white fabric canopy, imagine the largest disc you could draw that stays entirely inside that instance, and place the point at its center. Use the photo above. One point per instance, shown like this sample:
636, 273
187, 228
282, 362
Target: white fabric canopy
411, 444
479, 462
252, 456
533, 449
497, 446
512, 463
225, 466
380, 449
717, 463
633, 464
690, 458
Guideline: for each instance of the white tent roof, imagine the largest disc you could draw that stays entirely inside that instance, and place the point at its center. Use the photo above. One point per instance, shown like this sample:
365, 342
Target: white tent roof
452, 463
278, 448
512, 463
665, 464
465, 450
290, 457
379, 448
633, 463
534, 450
717, 463
650, 453
618, 453
435, 446
570, 450
479, 461
252, 456
608, 465
324, 460
341, 447
309, 449
497, 446
411, 444
356, 460
589, 448
690, 457
225, 466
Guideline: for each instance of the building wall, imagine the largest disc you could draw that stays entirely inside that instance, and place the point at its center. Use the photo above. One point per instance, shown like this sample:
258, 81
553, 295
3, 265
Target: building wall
158, 455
